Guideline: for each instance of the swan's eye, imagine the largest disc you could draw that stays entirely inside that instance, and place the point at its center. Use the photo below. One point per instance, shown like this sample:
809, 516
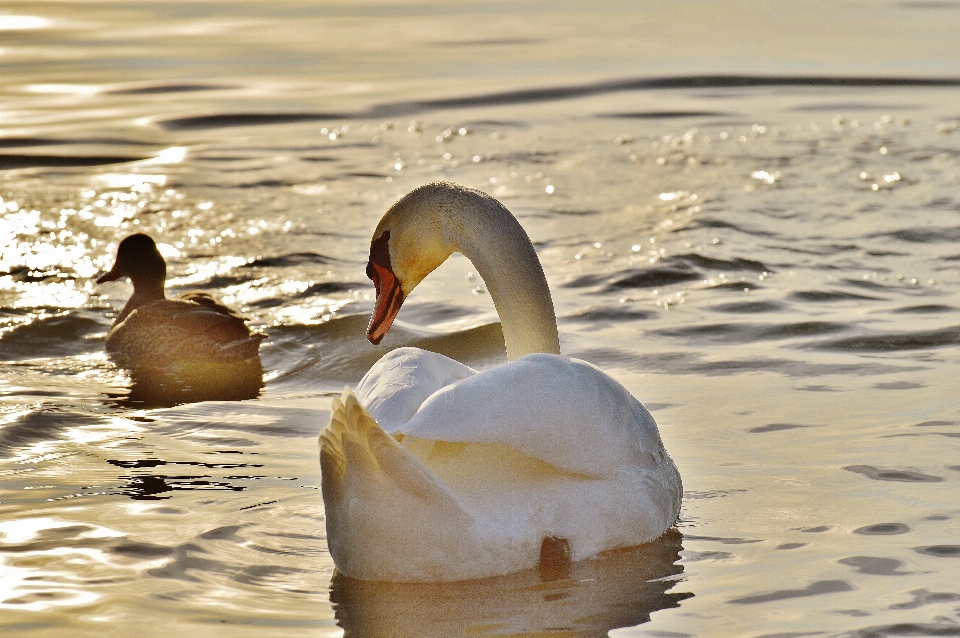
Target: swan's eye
380, 252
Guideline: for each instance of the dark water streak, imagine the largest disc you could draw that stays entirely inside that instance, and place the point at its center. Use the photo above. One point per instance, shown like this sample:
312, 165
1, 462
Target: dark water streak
532, 96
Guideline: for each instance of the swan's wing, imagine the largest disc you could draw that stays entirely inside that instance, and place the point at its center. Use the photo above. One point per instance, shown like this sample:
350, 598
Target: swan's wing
562, 411
353, 441
378, 496
396, 386
558, 438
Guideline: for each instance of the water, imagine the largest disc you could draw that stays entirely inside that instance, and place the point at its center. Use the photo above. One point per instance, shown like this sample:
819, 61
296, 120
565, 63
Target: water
737, 220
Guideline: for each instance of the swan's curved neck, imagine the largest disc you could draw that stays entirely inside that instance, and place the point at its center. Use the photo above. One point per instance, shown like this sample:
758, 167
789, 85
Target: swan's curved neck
492, 239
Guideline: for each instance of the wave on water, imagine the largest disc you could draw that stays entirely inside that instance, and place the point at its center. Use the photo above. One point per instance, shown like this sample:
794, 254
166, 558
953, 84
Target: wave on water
895, 342
178, 563
224, 120
549, 94
162, 88
734, 333
66, 160
38, 425
652, 84
601, 314
51, 332
670, 270
696, 363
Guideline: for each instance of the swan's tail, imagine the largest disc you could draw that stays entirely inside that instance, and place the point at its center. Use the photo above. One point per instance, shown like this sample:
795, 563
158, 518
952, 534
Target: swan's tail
379, 499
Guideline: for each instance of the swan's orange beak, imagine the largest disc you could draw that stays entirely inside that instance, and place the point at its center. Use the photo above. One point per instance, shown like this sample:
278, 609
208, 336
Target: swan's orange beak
389, 299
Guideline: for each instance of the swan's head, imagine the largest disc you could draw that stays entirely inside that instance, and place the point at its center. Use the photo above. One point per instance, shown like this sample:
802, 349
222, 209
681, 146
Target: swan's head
410, 242
138, 259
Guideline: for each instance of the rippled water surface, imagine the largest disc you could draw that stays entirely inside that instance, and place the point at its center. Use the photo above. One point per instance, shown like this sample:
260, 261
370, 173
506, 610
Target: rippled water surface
748, 213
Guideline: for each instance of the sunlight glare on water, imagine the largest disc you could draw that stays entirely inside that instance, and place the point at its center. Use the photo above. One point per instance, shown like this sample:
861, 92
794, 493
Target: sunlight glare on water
19, 23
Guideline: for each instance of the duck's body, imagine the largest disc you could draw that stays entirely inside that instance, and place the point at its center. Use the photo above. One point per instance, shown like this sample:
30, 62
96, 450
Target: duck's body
154, 332
435, 472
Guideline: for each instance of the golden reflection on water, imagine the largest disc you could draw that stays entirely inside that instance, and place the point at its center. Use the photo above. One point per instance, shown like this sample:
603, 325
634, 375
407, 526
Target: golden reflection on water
34, 579
136, 182
63, 89
200, 271
23, 23
57, 294
309, 313
172, 155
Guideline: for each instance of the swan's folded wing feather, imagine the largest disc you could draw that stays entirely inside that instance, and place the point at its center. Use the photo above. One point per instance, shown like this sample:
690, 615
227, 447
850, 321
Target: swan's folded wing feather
379, 500
562, 411
398, 384
354, 446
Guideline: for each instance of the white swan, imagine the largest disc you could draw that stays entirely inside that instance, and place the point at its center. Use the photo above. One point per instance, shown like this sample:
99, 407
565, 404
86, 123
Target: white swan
450, 474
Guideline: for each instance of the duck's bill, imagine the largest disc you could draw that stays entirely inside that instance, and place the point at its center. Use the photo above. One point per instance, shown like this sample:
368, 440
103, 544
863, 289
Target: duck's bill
389, 299
112, 275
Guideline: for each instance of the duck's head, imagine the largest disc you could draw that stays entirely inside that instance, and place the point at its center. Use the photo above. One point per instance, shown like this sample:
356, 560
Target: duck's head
138, 259
410, 242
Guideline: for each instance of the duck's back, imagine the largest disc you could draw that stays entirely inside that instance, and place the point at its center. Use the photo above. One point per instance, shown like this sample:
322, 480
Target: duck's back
209, 302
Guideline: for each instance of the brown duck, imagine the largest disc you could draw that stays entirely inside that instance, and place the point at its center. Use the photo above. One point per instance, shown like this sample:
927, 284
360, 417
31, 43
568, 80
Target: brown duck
192, 332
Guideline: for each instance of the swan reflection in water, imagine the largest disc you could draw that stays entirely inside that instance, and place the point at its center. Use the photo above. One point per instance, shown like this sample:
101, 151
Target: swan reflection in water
620, 588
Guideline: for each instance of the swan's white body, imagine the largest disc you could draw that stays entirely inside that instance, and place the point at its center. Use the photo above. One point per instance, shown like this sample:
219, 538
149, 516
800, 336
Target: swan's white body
449, 474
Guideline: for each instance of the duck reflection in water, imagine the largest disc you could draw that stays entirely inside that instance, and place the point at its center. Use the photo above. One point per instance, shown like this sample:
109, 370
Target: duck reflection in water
620, 588
187, 348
